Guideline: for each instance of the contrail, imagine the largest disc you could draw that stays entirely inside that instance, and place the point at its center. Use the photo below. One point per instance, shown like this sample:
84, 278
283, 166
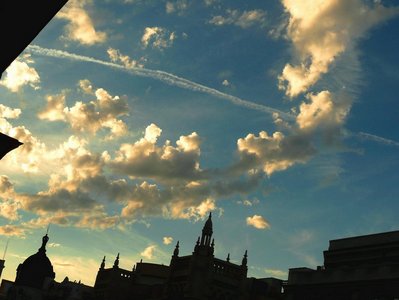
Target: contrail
378, 139
165, 77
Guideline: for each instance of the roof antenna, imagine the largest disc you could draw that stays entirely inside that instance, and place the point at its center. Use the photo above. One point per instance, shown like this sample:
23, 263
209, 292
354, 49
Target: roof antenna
48, 228
5, 250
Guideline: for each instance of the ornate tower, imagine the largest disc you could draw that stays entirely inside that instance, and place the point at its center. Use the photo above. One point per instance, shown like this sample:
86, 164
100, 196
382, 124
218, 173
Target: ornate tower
205, 244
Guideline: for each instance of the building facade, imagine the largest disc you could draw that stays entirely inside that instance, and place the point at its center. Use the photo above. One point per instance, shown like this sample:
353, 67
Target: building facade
357, 268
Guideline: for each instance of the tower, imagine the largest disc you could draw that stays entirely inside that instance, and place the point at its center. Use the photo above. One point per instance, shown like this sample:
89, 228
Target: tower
205, 245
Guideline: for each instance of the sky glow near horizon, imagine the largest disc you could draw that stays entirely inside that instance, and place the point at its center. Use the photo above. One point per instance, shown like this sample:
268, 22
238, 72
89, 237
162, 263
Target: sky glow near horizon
139, 118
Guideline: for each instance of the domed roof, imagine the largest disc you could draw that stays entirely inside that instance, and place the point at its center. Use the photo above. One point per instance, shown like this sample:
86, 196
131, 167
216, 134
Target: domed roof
33, 271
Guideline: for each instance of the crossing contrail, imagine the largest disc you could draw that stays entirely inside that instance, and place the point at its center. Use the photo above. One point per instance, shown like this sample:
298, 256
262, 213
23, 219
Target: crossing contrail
174, 80
162, 76
376, 138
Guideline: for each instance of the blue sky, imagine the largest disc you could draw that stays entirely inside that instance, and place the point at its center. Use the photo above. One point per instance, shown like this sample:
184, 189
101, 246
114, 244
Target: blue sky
139, 118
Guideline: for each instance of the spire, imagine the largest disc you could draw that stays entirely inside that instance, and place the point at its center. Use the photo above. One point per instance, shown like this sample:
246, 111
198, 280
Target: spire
5, 249
244, 259
44, 242
228, 257
176, 251
207, 231
102, 264
116, 263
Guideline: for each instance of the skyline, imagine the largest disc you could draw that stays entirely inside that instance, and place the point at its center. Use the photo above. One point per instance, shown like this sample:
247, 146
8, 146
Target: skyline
138, 118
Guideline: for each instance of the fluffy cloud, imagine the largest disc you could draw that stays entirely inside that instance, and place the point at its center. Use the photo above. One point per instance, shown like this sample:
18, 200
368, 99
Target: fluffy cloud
19, 74
86, 86
320, 31
322, 111
158, 37
245, 19
103, 112
167, 240
145, 159
273, 153
80, 27
116, 57
28, 155
258, 222
149, 252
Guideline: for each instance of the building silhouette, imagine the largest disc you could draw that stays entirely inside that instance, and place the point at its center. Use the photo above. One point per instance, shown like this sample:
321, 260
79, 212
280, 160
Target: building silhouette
356, 268
199, 276
35, 281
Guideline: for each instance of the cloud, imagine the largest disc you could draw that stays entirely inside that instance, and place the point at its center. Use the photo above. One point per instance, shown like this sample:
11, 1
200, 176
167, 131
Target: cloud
322, 30
103, 112
258, 222
164, 77
27, 156
157, 37
276, 273
248, 202
245, 19
167, 240
80, 28
19, 74
9, 113
12, 230
179, 7
273, 153
322, 111
115, 56
86, 86
145, 159
148, 252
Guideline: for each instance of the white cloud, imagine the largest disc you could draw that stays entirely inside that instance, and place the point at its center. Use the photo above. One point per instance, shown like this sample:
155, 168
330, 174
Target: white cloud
321, 30
167, 163
149, 252
258, 222
245, 19
126, 61
80, 27
157, 37
322, 111
19, 74
103, 112
86, 86
273, 153
167, 240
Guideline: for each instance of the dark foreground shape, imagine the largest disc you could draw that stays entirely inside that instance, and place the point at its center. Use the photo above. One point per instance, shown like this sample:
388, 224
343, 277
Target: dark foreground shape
21, 21
7, 144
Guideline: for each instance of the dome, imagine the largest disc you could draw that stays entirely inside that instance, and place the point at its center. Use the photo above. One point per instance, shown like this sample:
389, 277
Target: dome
33, 271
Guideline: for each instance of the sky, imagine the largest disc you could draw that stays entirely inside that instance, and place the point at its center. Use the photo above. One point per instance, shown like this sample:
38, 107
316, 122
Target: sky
139, 118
